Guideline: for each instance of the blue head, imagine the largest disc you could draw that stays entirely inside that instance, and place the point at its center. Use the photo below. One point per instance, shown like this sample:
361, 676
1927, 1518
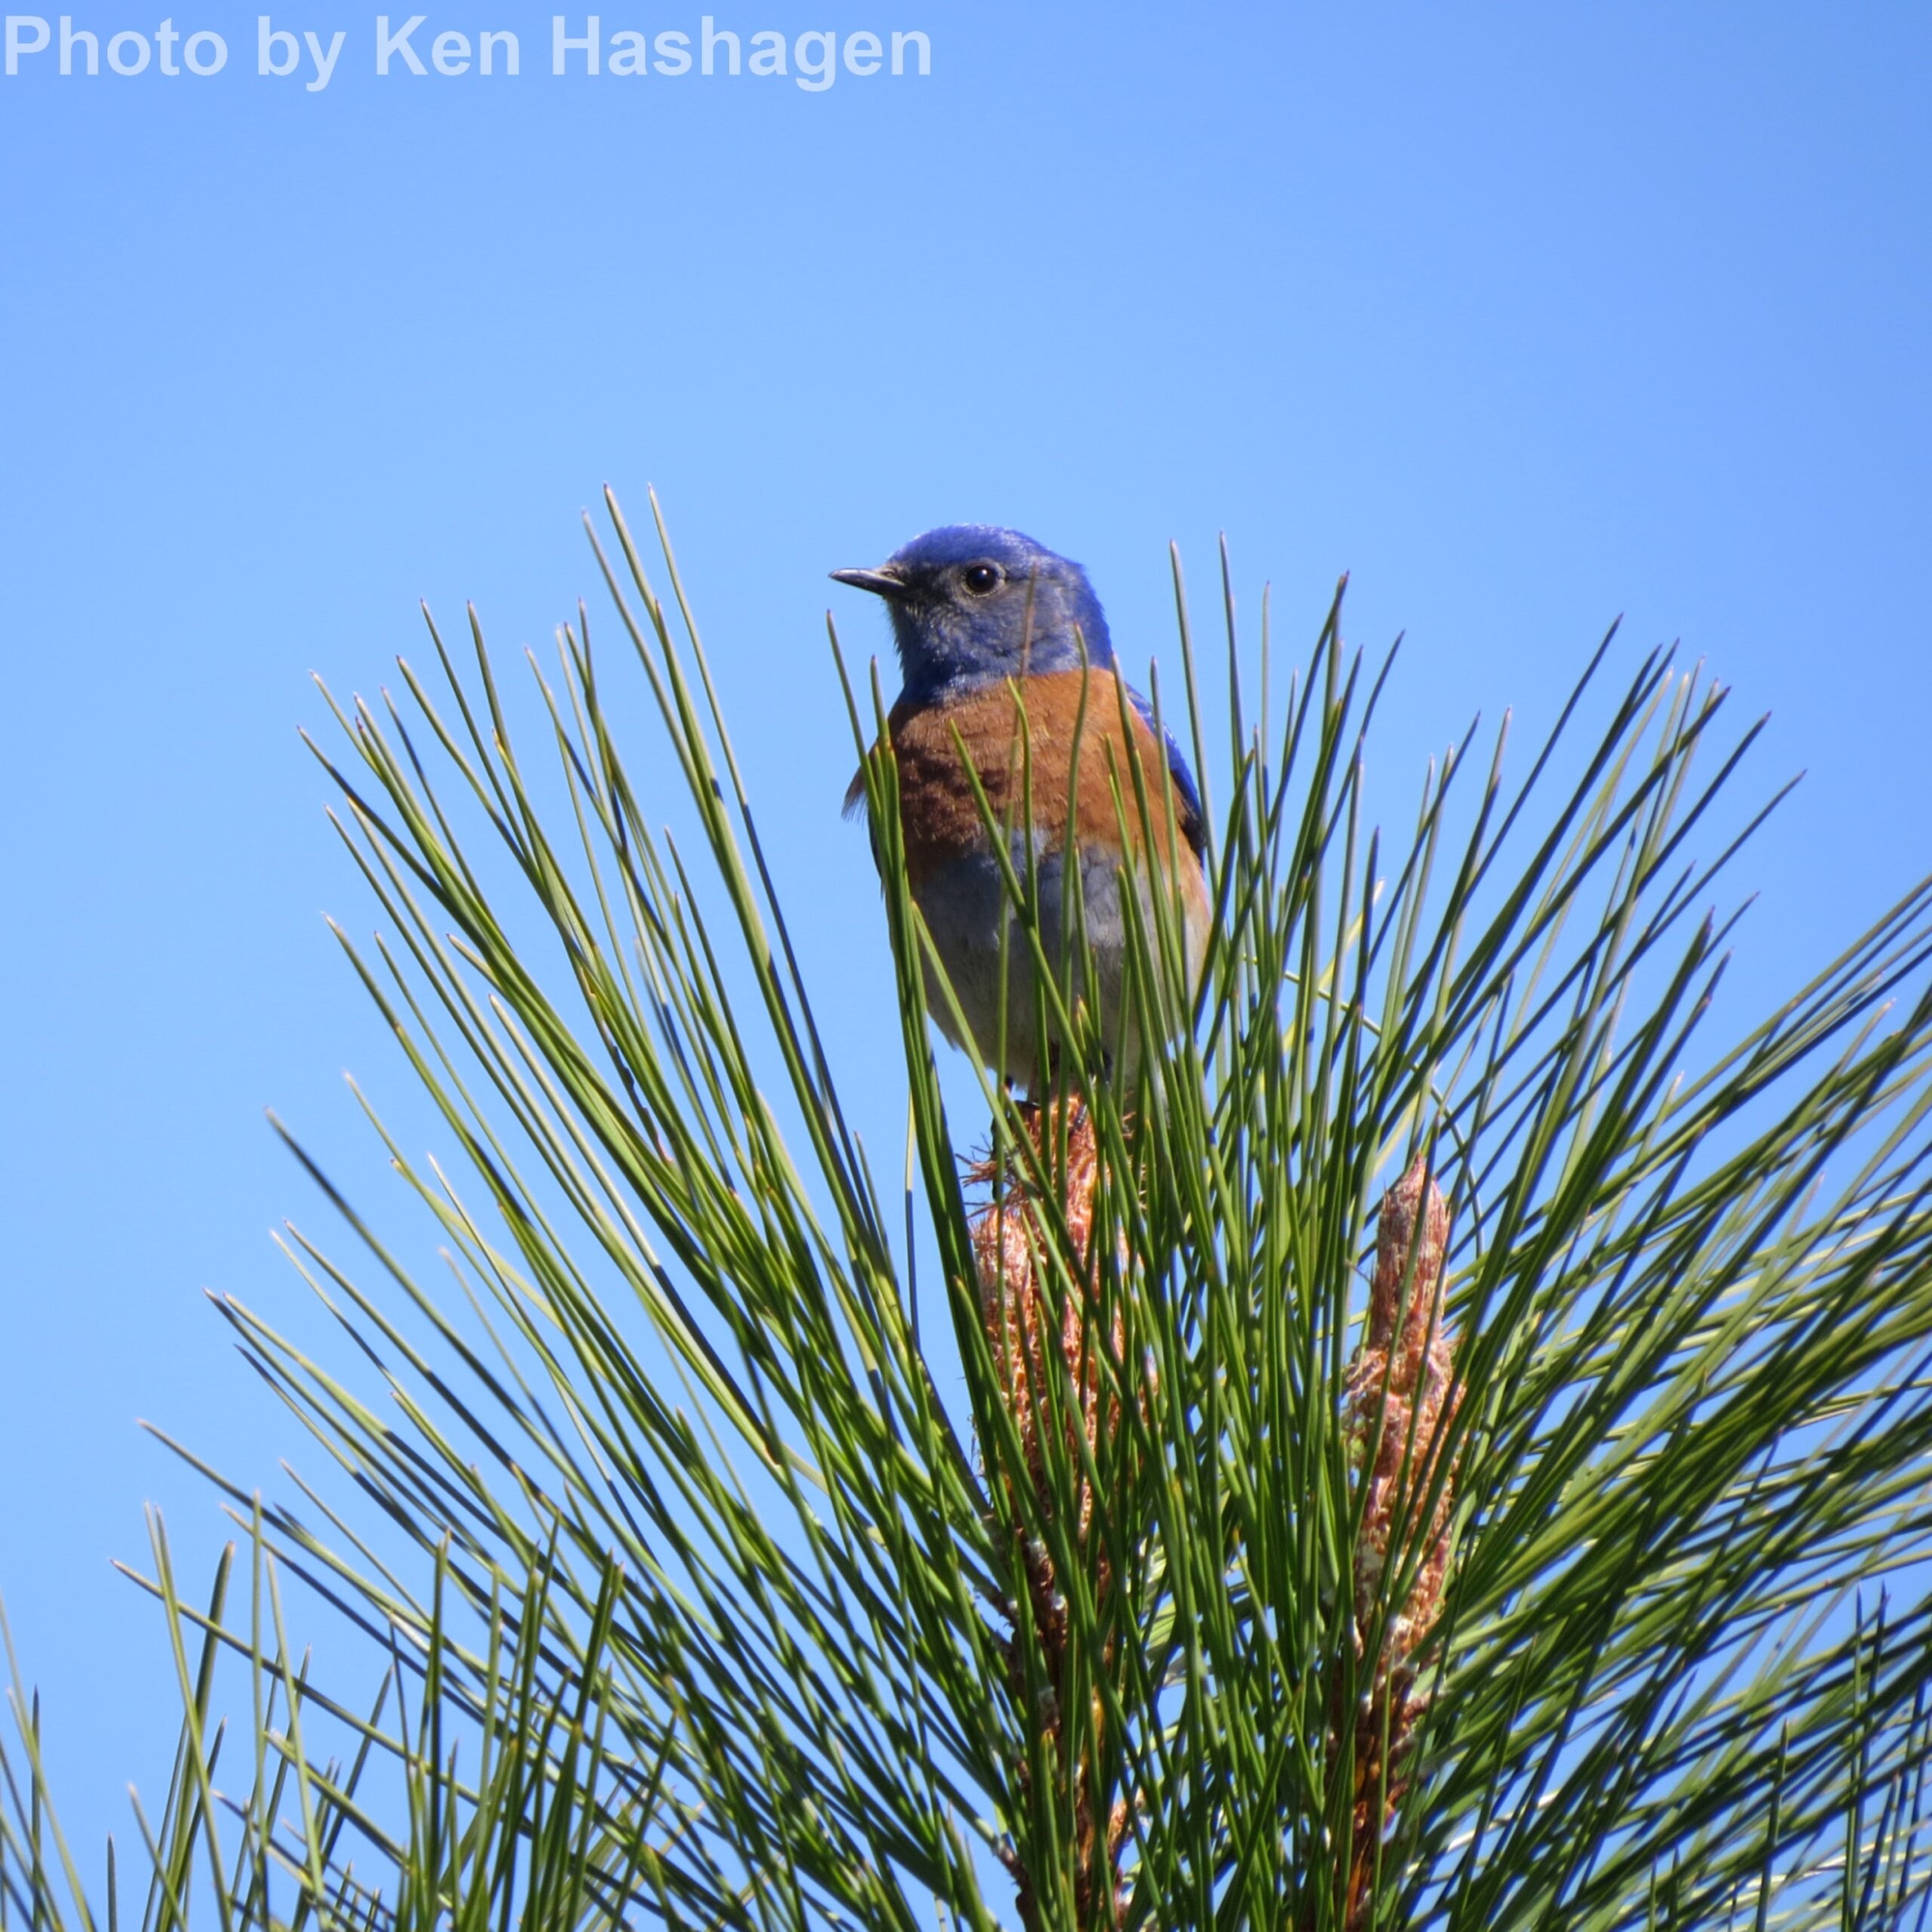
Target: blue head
971, 604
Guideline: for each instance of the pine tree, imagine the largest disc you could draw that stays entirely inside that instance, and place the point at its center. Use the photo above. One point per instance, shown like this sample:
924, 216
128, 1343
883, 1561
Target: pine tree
1443, 1445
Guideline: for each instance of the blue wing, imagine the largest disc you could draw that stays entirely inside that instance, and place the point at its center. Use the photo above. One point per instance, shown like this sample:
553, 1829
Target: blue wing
1186, 795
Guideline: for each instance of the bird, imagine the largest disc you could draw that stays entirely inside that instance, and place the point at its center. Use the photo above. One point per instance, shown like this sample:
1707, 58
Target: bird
987, 621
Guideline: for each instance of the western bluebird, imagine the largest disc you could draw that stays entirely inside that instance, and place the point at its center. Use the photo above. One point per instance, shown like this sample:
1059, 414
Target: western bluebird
986, 619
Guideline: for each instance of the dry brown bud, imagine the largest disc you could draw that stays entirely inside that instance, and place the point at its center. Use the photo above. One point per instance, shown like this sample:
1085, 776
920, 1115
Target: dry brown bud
1402, 1399
1037, 1328
1034, 1343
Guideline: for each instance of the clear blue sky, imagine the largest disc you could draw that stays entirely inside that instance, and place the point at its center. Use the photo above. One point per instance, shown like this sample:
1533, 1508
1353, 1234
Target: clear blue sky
1526, 315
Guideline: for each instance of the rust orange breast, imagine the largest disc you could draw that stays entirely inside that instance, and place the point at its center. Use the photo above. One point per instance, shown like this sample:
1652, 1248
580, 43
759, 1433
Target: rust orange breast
941, 818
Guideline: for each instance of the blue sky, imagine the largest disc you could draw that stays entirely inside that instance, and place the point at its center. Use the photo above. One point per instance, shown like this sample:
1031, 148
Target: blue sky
1527, 315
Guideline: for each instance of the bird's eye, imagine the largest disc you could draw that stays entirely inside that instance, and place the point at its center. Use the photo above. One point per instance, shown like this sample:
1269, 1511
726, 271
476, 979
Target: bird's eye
981, 578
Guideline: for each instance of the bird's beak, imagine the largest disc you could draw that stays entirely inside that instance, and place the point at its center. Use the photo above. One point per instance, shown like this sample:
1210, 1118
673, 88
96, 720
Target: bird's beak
881, 583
